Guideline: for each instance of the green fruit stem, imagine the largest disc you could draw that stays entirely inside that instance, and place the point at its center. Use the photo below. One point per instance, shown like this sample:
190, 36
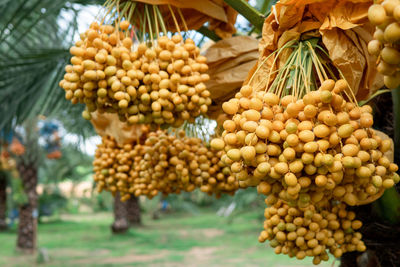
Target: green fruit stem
250, 13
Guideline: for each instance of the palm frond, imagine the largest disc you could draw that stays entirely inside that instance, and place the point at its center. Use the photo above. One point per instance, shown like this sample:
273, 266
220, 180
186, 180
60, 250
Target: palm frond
73, 165
33, 53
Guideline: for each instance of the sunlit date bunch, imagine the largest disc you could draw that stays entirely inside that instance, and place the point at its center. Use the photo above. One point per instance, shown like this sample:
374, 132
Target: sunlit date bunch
160, 82
179, 163
306, 150
163, 163
111, 167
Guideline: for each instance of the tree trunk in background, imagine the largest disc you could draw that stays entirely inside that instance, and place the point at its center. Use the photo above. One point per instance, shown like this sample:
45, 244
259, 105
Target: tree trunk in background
133, 211
120, 224
3, 201
28, 213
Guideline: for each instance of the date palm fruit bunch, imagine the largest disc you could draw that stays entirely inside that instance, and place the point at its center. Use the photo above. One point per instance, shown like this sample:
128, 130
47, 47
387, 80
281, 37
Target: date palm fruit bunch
172, 89
140, 185
180, 163
385, 15
111, 167
303, 143
96, 59
306, 146
322, 148
217, 179
300, 232
163, 163
117, 169
154, 80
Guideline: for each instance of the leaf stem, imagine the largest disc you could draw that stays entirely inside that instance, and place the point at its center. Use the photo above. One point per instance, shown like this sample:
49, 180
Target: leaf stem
250, 13
174, 18
164, 29
146, 10
156, 21
208, 33
183, 20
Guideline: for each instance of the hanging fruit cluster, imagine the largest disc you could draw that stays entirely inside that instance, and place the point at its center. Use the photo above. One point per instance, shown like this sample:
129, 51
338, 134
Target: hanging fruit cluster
305, 149
187, 162
163, 163
300, 233
156, 80
111, 166
385, 15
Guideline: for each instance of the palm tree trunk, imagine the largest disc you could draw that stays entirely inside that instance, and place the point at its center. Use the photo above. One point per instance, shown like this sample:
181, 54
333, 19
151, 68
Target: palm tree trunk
120, 224
3, 201
27, 228
133, 211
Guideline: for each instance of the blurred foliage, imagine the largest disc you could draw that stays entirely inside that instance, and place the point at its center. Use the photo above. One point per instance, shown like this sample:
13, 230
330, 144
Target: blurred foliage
246, 200
28, 132
98, 202
102, 201
18, 196
189, 202
243, 201
264, 6
73, 165
51, 201
34, 40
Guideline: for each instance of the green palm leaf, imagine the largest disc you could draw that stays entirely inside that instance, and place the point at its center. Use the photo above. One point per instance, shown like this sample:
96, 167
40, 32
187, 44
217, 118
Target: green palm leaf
33, 53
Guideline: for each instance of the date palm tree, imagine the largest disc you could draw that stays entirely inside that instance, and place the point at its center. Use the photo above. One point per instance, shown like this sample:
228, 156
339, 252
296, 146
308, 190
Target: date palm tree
126, 214
121, 223
35, 37
133, 211
34, 41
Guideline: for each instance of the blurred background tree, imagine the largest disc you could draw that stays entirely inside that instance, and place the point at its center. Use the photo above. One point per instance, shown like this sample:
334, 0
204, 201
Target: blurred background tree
34, 40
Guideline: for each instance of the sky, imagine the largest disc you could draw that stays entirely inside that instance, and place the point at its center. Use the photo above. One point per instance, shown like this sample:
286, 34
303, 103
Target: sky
87, 146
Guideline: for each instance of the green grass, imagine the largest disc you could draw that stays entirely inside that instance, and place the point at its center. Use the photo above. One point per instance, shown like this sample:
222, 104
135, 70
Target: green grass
204, 239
